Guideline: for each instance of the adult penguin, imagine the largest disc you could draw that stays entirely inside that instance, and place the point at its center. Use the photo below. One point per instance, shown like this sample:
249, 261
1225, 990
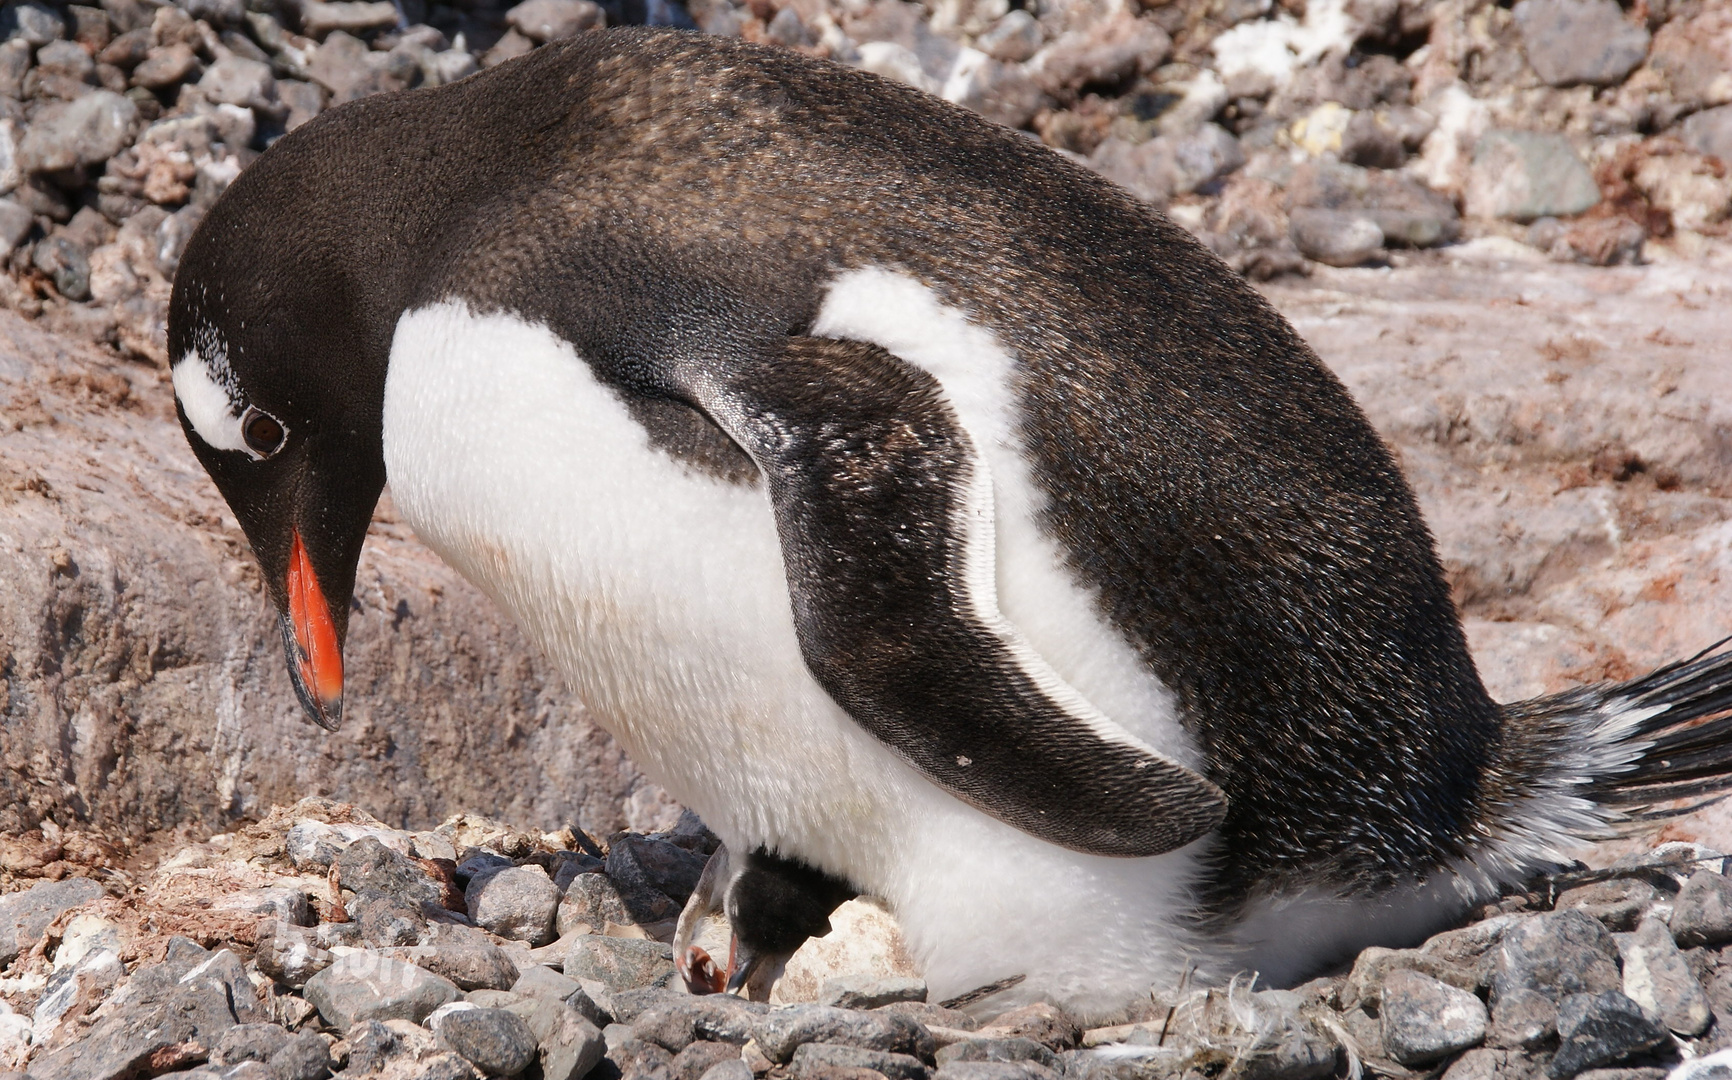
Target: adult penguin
910, 502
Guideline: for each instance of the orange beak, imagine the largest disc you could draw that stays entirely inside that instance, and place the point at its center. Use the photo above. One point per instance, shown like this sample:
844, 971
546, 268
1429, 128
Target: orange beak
316, 657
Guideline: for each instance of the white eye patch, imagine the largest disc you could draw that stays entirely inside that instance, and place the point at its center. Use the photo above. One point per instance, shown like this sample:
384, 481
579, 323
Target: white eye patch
208, 407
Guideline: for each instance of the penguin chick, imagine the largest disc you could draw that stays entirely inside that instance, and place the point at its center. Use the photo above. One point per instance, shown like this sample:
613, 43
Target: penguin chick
772, 905
905, 499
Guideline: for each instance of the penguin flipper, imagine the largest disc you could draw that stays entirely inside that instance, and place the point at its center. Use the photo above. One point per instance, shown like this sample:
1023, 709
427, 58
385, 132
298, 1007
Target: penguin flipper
884, 512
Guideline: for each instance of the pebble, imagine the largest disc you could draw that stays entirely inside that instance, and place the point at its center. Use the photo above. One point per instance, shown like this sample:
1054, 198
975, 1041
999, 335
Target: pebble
1657, 978
816, 1060
164, 66
1523, 175
1335, 237
495, 1041
1522, 1019
1710, 132
36, 24
994, 1070
1014, 1050
236, 80
698, 1058
729, 1069
781, 1032
1425, 1020
464, 955
1557, 954
595, 900
1043, 1023
641, 864
553, 20
520, 903
1702, 911
25, 915
1364, 985
570, 1044
88, 131
870, 991
620, 963
1601, 1029
301, 1056
1580, 41
367, 986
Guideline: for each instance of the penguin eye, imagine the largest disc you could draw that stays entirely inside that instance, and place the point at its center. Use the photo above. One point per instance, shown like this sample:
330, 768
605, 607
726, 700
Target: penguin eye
263, 432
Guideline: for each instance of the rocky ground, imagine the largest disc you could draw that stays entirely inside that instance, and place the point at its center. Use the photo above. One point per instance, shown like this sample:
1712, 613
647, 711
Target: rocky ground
322, 941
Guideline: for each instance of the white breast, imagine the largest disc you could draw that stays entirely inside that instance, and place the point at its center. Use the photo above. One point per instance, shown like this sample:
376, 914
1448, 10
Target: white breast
660, 592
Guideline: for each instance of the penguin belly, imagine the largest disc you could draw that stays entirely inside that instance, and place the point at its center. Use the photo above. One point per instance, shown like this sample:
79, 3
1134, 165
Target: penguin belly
660, 592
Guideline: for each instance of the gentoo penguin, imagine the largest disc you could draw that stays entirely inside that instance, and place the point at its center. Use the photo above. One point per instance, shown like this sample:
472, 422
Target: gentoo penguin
911, 503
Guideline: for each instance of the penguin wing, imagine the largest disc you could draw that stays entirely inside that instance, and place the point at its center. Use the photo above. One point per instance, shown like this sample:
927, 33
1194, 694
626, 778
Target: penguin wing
884, 512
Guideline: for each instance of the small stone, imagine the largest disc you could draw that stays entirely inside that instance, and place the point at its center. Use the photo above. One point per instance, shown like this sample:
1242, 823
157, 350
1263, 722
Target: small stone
464, 955
235, 80
1522, 1020
509, 47
495, 1041
780, 1032
730, 1069
15, 224
1013, 38
674, 1022
305, 100
1709, 132
1043, 1023
638, 863
1602, 1029
165, 66
65, 58
1657, 978
126, 51
699, 1058
870, 992
289, 954
304, 1057
1557, 954
1523, 175
620, 963
319, 17
995, 1070
366, 986
1003, 93
66, 264
1619, 904
1702, 911
570, 1044
1580, 41
1374, 966
520, 903
816, 1060
1484, 1063
997, 1050
930, 1015
36, 24
1335, 237
554, 20
1425, 1020
594, 900
248, 1042
540, 981
1111, 51
1608, 241
346, 67
24, 916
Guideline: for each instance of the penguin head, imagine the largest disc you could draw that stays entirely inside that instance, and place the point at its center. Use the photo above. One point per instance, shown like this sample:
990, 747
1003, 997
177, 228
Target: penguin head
773, 905
279, 385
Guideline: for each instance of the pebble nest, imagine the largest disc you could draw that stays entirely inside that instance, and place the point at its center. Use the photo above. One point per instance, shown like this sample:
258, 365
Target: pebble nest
321, 942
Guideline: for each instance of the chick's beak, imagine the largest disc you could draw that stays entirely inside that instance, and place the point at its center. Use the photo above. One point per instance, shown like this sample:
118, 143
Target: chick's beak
310, 636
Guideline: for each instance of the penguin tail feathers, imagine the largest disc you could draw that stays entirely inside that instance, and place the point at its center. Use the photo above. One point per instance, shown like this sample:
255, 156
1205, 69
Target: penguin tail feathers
1598, 760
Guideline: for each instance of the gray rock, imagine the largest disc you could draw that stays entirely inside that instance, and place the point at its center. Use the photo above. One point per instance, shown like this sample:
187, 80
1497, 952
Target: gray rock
1657, 978
304, 101
495, 1041
1166, 166
248, 1042
368, 867
236, 80
121, 1046
1702, 912
346, 67
1522, 1020
699, 1058
570, 1044
817, 1060
36, 24
780, 1032
1044, 1023
1580, 41
674, 1023
1710, 132
731, 1069
1335, 237
15, 62
480, 863
1425, 1020
1602, 1029
319, 18
620, 963
638, 863
366, 986
1013, 38
552, 20
1557, 954
520, 903
88, 131
1620, 903
568, 864
66, 58
164, 66
1485, 1063
1523, 175
1372, 968
216, 12
290, 954
929, 1015
541, 981
999, 1070
304, 1057
1003, 93
594, 900
65, 264
997, 1050
25, 915
870, 991
464, 955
